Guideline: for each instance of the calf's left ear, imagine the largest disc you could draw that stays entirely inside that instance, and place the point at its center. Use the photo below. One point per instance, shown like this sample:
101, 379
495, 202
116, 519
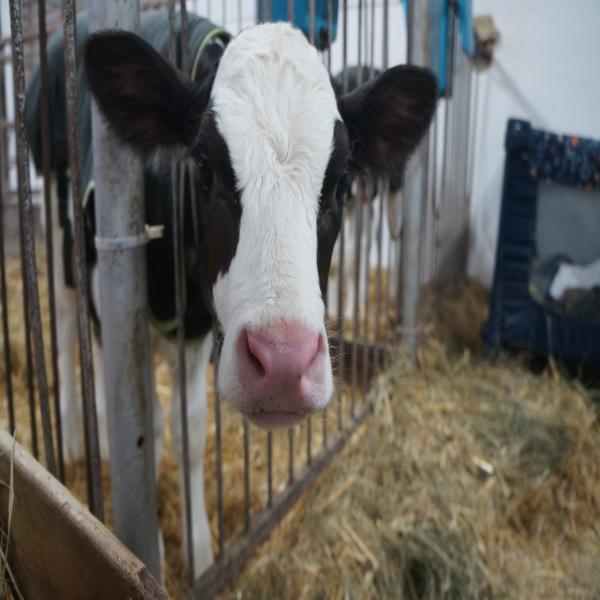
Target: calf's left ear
387, 116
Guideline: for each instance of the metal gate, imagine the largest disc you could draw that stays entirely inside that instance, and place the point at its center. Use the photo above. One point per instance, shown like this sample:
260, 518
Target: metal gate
391, 242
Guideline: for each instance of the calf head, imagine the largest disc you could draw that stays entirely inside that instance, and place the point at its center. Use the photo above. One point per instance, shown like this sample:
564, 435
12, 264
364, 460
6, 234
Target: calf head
273, 145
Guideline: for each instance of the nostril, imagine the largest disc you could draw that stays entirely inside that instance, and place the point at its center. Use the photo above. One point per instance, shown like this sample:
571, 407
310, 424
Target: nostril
254, 355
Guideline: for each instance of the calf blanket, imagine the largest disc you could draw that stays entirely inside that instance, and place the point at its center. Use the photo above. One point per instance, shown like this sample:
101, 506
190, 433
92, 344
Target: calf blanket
154, 28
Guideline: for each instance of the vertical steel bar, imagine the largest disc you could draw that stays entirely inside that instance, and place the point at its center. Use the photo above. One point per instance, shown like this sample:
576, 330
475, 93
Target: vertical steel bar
180, 314
311, 37
218, 445
94, 466
329, 33
123, 313
356, 308
246, 475
415, 189
367, 276
291, 475
341, 276
3, 289
359, 78
5, 328
45, 126
383, 187
26, 213
290, 11
372, 59
239, 16
329, 30
28, 353
269, 468
267, 10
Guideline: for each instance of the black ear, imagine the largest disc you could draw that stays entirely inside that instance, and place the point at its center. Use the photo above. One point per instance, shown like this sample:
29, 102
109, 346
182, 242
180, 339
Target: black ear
387, 116
145, 100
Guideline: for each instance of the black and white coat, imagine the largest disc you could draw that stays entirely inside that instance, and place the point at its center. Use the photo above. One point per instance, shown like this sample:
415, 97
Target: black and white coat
272, 143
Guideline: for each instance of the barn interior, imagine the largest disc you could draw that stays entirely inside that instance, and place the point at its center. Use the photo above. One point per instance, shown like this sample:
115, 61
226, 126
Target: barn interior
459, 456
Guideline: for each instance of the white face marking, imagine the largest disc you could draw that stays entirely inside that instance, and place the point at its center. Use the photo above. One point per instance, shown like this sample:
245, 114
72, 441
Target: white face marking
276, 109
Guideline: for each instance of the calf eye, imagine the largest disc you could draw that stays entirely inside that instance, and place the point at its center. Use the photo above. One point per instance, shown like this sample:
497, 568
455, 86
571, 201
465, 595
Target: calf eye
343, 187
206, 172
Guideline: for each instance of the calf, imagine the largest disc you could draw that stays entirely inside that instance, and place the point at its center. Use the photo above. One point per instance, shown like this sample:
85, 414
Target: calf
271, 144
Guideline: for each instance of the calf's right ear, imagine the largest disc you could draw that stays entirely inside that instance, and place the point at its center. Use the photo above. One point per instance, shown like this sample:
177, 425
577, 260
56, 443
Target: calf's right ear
146, 101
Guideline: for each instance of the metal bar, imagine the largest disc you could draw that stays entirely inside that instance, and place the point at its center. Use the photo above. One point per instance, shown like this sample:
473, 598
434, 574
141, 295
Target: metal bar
372, 61
386, 35
356, 307
26, 212
125, 334
180, 316
359, 78
384, 190
267, 9
246, 475
290, 11
28, 354
340, 310
311, 21
309, 441
94, 476
367, 277
415, 190
218, 447
329, 33
45, 126
217, 576
269, 468
239, 16
5, 327
290, 455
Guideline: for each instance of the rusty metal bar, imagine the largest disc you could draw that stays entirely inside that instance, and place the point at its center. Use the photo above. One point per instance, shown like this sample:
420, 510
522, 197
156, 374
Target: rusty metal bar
45, 126
290, 11
94, 474
311, 21
218, 445
180, 317
246, 475
269, 468
26, 215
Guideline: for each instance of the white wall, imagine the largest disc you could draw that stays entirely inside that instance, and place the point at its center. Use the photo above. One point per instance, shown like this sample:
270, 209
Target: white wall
545, 70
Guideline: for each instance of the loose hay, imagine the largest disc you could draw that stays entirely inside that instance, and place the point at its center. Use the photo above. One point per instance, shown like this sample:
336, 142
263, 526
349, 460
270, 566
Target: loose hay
471, 480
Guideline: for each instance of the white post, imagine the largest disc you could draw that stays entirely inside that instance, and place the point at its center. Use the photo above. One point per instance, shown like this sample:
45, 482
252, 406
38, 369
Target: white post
119, 205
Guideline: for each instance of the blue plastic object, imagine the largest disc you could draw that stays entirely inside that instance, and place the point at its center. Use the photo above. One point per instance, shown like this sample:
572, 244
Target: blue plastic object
517, 318
301, 17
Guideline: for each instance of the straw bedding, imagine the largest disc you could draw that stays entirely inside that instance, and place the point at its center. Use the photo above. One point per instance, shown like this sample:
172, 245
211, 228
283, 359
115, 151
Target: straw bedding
470, 480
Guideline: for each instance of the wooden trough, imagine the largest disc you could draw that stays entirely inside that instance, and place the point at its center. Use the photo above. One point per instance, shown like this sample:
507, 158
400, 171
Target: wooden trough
56, 548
